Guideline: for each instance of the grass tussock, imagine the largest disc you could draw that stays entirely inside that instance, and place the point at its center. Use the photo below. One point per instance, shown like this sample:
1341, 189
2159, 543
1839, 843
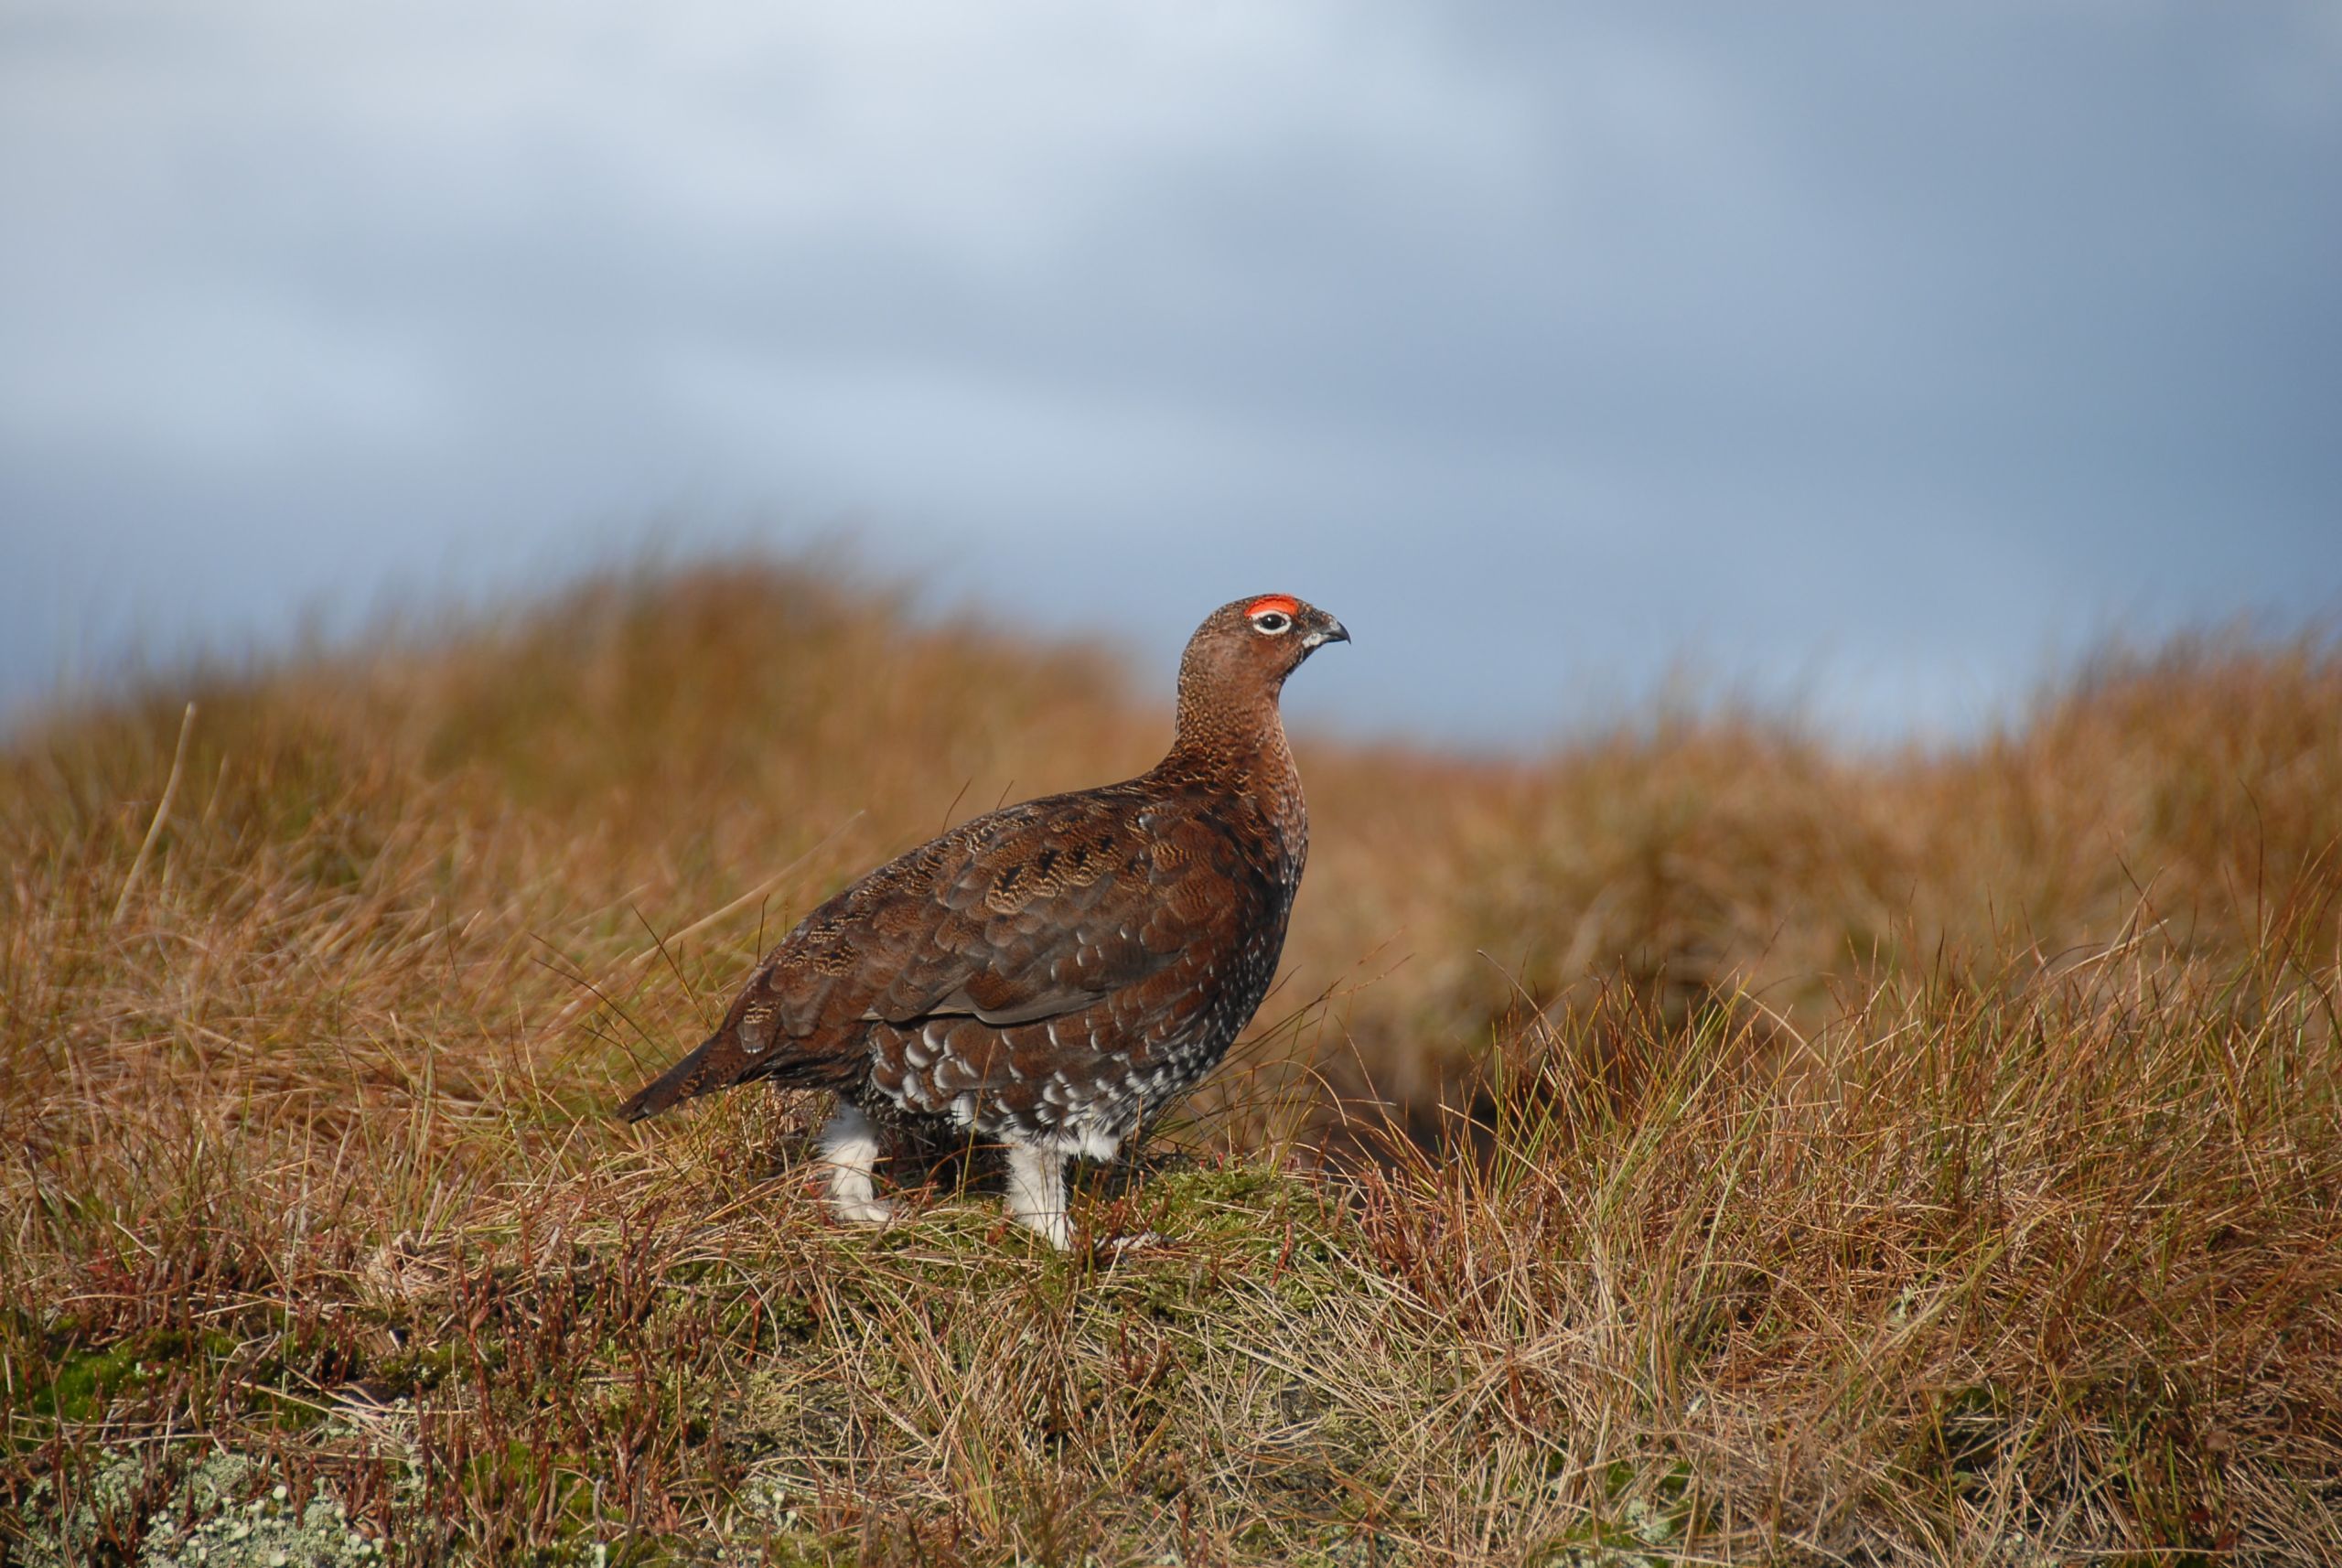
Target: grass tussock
1694, 1144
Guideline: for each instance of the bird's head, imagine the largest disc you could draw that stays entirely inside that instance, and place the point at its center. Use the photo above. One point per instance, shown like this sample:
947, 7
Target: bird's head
1244, 650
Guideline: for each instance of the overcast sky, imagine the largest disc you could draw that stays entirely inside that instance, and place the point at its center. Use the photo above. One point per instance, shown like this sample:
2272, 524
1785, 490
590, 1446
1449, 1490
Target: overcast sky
1874, 355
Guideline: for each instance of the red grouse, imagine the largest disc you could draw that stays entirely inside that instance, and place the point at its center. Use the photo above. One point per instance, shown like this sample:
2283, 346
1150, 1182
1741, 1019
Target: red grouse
1052, 975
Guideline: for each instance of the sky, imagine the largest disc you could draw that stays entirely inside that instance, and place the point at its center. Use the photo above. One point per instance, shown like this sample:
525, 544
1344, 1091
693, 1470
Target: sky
1867, 360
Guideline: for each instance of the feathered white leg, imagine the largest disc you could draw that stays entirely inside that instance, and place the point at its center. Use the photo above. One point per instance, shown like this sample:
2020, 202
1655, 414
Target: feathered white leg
848, 1151
1037, 1192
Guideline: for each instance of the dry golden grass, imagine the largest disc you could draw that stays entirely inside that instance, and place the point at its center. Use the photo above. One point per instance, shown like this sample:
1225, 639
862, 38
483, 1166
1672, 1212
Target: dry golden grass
1792, 1156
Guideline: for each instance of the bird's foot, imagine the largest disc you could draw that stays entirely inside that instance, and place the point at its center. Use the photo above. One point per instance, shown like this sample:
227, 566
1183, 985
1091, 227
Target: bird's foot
1051, 1225
857, 1210
1037, 1192
848, 1153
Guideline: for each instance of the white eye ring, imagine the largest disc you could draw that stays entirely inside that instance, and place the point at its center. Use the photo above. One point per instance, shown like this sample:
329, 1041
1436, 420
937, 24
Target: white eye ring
1272, 622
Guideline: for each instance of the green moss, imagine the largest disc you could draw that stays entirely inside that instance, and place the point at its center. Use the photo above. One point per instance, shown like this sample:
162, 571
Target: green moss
85, 1381
415, 1370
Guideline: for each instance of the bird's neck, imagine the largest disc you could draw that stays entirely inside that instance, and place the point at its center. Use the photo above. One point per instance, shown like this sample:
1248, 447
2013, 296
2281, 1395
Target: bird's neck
1229, 728
1233, 746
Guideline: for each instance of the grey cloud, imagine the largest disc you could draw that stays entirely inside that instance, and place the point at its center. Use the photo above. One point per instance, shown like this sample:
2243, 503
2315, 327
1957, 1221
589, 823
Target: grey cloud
1873, 350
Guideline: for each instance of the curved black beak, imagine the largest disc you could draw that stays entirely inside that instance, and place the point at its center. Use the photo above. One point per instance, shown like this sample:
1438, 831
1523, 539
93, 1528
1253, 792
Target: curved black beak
1332, 631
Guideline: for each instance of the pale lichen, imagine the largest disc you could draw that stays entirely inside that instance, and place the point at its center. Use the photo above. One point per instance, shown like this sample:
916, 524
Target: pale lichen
214, 1514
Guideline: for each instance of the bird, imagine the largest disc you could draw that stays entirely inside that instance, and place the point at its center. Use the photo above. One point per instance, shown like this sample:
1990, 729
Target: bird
1049, 976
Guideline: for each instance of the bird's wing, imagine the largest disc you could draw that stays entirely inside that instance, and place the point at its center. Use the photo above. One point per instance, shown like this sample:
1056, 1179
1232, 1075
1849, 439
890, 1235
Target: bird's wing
1027, 914
1042, 910
1021, 915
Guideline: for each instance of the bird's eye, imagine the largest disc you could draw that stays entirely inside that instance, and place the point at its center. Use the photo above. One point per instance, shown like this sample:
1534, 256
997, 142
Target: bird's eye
1272, 622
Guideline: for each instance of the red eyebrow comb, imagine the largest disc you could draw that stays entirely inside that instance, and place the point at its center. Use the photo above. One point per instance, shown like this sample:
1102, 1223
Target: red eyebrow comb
1282, 601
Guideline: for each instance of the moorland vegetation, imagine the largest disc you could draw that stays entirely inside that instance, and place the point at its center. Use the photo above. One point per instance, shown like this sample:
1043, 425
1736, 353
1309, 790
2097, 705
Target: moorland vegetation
1695, 1141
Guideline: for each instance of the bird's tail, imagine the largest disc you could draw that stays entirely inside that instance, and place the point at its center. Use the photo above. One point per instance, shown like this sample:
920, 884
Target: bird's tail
722, 1061
698, 1073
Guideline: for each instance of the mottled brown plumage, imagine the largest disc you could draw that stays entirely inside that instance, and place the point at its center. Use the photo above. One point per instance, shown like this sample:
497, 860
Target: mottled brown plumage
1052, 975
